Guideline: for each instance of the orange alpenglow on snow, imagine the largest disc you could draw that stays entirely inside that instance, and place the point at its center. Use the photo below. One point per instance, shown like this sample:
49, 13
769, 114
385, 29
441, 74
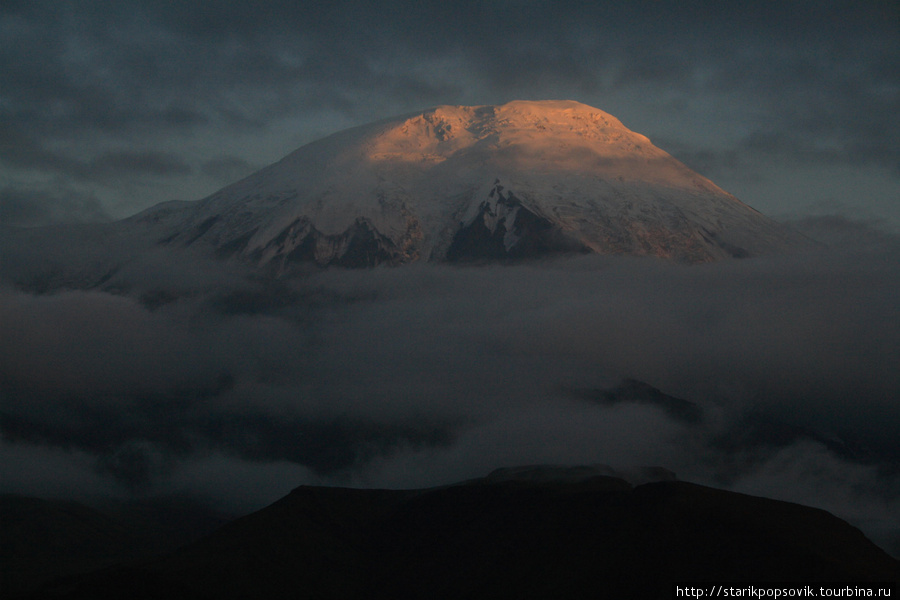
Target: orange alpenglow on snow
473, 183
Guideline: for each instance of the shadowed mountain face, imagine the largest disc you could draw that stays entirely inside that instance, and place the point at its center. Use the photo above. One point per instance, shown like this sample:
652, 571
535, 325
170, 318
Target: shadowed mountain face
521, 533
507, 230
44, 539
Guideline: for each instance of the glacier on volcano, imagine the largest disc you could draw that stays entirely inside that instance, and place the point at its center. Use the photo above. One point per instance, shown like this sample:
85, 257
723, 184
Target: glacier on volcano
481, 183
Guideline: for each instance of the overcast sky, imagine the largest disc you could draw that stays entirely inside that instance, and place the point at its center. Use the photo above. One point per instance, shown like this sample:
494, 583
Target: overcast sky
107, 107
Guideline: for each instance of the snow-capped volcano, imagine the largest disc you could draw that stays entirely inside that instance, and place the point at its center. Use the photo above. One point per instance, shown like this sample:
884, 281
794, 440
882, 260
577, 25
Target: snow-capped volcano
460, 183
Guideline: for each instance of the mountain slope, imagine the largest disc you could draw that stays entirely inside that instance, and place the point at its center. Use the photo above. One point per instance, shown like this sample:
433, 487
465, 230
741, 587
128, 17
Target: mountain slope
521, 533
461, 183
41, 540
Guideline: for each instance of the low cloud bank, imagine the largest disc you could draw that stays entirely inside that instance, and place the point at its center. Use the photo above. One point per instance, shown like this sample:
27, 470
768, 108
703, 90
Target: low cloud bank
775, 376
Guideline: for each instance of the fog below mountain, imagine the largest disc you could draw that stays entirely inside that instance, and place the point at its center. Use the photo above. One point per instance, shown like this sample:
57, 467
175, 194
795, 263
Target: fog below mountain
174, 378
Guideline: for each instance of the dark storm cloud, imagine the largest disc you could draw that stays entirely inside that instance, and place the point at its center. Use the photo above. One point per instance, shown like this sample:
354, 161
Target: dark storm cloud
112, 66
135, 67
132, 102
31, 207
852, 237
129, 164
227, 168
25, 151
19, 149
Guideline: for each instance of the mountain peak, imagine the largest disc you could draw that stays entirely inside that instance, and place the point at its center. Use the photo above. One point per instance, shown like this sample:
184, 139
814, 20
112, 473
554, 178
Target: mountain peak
542, 126
474, 183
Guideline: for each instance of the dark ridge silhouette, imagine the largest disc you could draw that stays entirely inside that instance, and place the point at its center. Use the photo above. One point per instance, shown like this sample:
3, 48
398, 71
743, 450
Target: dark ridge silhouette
42, 540
517, 534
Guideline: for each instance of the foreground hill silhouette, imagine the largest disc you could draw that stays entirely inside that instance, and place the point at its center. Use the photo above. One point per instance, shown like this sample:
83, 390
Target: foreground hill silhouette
510, 535
41, 540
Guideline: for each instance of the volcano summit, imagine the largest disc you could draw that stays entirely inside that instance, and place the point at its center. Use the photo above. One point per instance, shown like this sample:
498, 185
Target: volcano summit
451, 184
458, 183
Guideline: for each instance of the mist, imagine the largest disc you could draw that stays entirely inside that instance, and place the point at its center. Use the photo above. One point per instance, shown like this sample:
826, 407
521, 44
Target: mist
776, 376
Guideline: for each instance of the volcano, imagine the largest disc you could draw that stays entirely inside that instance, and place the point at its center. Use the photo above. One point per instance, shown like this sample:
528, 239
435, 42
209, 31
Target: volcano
471, 183
452, 184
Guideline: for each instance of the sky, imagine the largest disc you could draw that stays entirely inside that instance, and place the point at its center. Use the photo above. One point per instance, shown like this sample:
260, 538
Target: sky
198, 377
107, 108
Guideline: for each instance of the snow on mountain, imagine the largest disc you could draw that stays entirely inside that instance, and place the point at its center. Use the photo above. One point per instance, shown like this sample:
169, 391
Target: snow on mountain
460, 183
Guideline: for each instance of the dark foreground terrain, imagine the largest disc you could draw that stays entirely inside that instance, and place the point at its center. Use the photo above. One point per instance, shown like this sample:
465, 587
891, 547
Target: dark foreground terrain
498, 537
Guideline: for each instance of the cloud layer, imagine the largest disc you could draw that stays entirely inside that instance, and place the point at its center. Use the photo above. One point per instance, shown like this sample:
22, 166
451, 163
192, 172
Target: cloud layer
776, 376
